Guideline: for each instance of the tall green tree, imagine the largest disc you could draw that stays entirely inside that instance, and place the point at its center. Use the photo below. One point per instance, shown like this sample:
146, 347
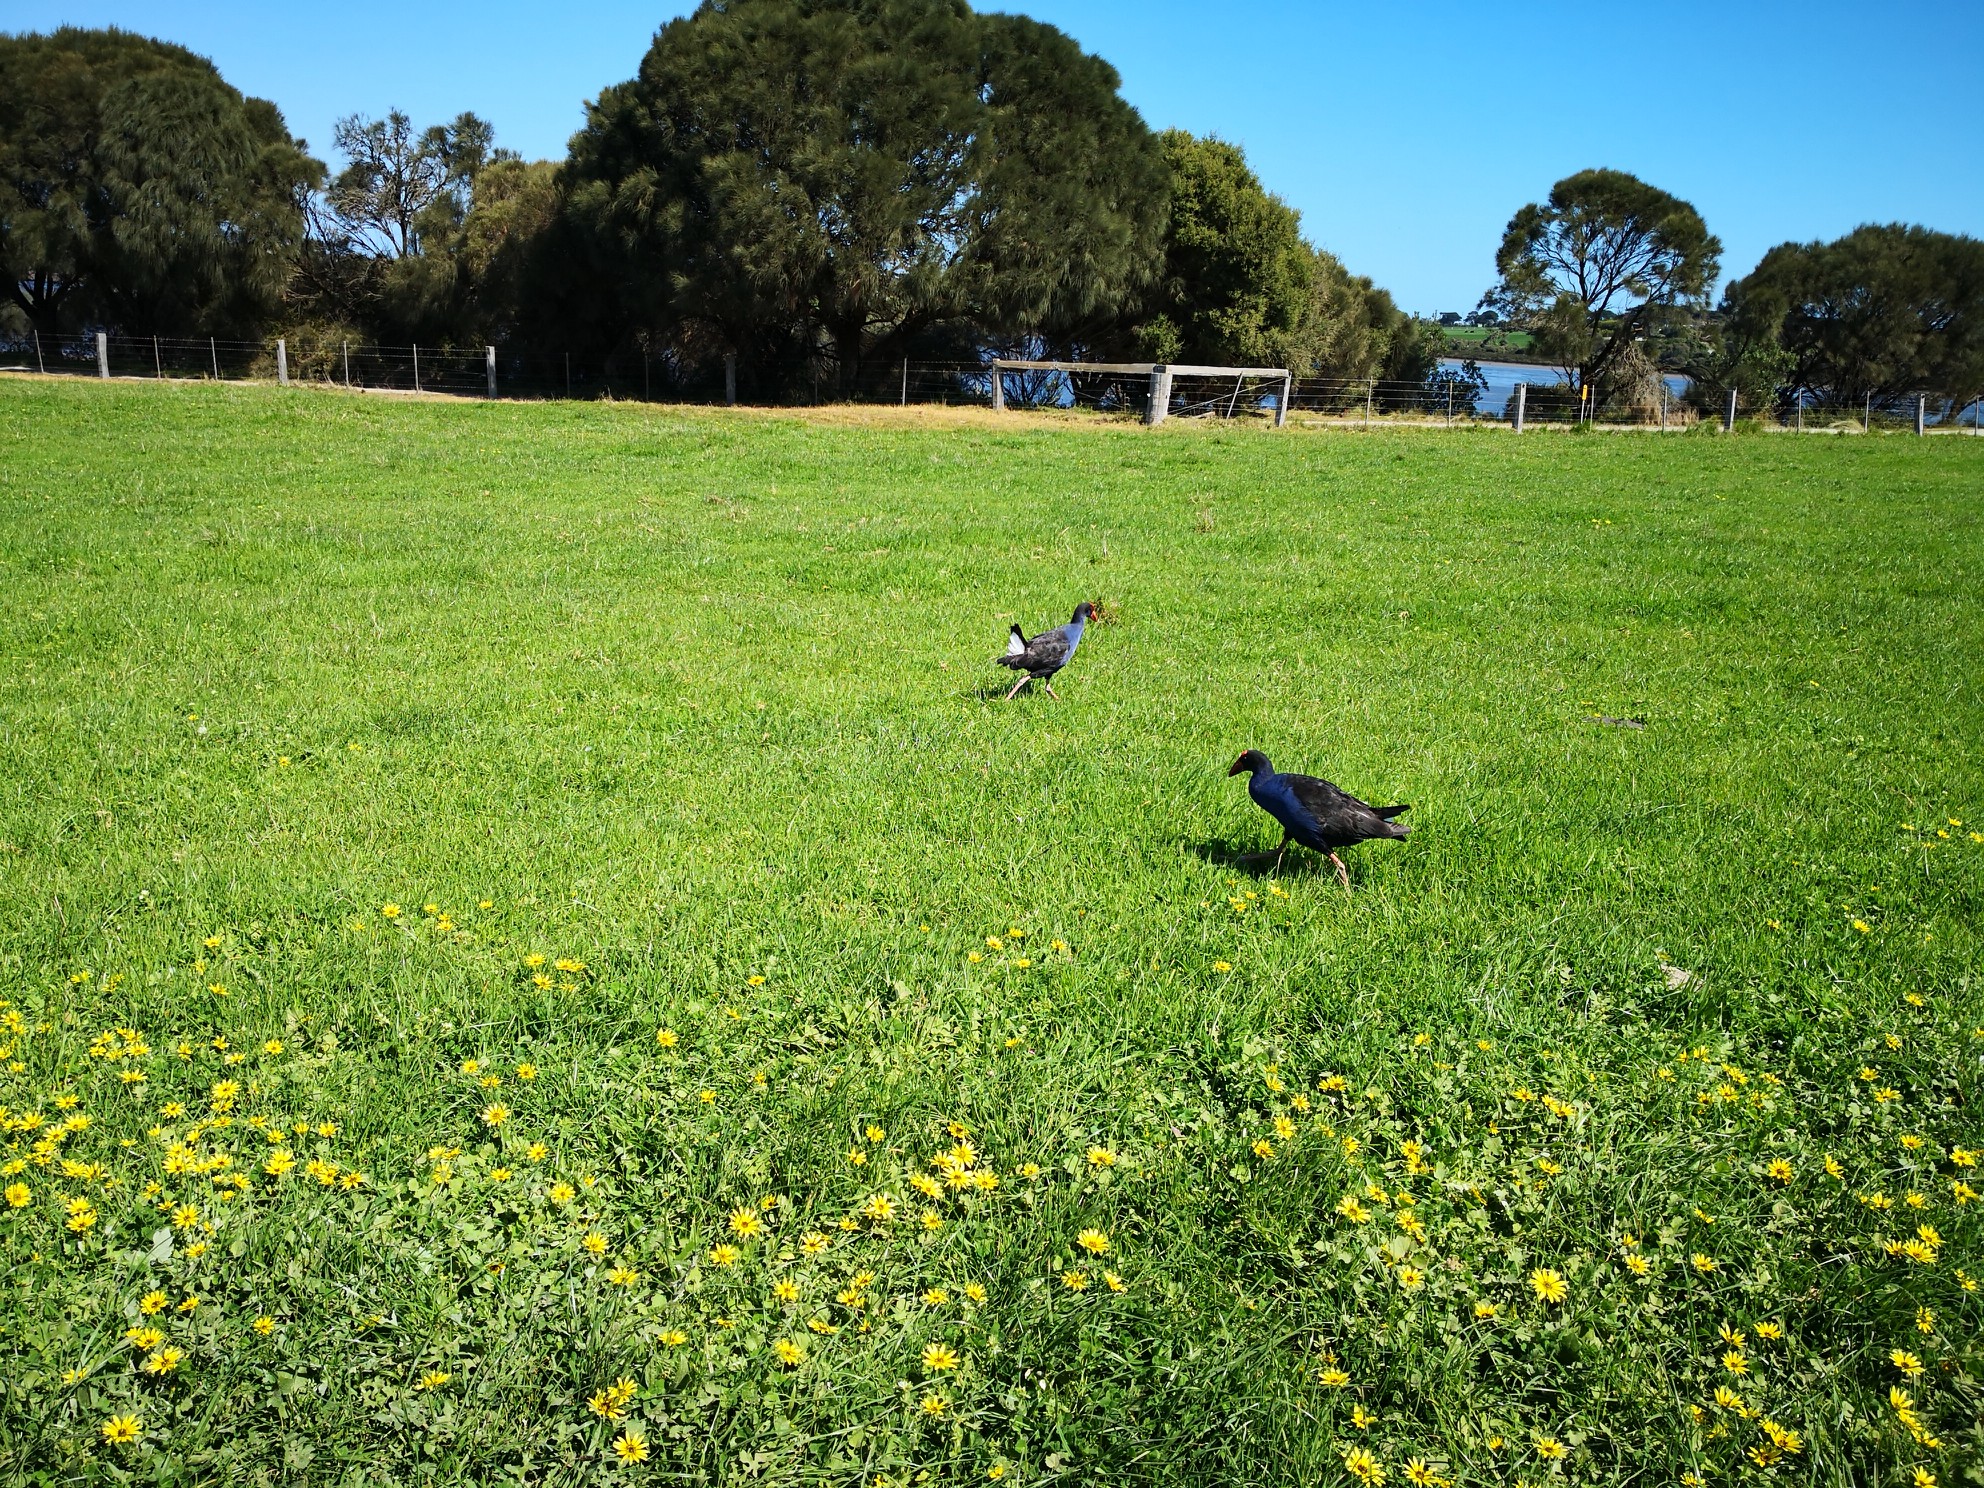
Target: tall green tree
139, 191
1237, 278
398, 188
1882, 311
1348, 328
389, 252
858, 171
1591, 269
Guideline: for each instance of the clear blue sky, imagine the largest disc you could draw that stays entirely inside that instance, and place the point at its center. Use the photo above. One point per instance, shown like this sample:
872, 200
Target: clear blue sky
1404, 134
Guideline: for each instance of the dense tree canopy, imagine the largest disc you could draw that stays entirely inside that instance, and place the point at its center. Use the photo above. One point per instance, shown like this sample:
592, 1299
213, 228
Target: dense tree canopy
1236, 274
398, 188
1884, 310
1589, 269
389, 247
843, 182
138, 190
862, 170
1240, 286
1347, 327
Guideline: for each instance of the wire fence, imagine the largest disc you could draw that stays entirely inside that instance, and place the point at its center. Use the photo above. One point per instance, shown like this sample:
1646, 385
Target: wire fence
1452, 396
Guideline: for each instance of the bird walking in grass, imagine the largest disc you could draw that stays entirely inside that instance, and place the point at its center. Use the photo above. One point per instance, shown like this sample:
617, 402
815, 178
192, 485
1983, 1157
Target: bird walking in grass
1044, 655
1313, 812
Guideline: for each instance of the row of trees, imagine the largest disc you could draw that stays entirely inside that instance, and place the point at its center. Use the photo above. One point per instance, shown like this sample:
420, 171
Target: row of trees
792, 182
1612, 276
841, 183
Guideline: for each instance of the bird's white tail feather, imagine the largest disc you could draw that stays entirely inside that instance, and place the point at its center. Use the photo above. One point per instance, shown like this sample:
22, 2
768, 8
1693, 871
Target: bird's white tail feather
1015, 643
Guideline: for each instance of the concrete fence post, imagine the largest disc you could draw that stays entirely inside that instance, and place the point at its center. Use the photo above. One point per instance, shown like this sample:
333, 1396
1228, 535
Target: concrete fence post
1729, 414
1160, 395
102, 354
282, 362
999, 389
489, 368
1522, 403
1921, 414
730, 379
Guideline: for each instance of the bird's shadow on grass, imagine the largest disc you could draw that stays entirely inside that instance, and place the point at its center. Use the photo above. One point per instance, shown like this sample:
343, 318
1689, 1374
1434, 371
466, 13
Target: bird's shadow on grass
1252, 860
996, 693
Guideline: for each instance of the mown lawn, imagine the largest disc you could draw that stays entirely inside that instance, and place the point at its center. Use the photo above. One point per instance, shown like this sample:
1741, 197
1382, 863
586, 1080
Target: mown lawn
501, 900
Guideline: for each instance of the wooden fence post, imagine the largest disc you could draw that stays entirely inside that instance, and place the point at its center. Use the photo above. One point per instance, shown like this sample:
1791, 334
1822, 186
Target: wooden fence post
489, 366
102, 354
1729, 414
999, 389
213, 354
1921, 414
158, 362
41, 366
346, 346
1281, 408
1522, 401
904, 401
282, 362
416, 366
730, 379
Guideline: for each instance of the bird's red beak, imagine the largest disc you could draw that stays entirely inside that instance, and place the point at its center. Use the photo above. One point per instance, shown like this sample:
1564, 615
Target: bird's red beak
1237, 764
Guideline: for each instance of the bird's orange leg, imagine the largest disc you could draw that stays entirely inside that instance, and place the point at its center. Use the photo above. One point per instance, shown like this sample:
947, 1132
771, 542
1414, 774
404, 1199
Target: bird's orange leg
1017, 686
1050, 689
1341, 872
1286, 838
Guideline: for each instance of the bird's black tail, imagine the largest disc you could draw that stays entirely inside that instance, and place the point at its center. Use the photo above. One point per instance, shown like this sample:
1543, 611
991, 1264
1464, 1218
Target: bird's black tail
1015, 656
1388, 812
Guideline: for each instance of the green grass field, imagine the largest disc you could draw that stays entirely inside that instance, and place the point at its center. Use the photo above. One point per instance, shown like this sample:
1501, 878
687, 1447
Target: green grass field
1463, 339
533, 951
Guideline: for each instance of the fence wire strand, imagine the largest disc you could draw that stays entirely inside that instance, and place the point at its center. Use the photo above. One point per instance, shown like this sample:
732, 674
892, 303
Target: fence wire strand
1446, 398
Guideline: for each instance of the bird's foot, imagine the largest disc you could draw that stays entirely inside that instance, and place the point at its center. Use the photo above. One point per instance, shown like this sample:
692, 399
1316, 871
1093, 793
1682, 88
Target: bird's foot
1016, 688
1341, 872
1050, 690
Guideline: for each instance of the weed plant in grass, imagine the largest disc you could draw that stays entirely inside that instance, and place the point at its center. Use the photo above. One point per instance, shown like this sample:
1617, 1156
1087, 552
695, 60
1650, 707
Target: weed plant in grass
533, 953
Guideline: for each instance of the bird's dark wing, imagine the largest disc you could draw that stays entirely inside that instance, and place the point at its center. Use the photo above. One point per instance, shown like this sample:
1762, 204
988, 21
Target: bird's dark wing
1046, 652
1339, 816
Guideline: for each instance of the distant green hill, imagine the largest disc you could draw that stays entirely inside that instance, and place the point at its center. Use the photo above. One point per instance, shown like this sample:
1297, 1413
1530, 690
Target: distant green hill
1487, 341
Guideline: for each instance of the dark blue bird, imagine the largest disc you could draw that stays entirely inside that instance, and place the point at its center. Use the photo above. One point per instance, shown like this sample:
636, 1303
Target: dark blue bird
1315, 813
1044, 655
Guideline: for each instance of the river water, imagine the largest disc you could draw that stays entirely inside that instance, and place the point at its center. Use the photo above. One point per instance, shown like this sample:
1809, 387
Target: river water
1503, 377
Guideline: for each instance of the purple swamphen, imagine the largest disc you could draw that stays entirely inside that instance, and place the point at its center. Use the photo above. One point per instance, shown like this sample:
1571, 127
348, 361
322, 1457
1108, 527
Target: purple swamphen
1044, 655
1315, 813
